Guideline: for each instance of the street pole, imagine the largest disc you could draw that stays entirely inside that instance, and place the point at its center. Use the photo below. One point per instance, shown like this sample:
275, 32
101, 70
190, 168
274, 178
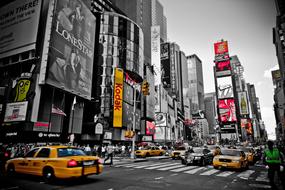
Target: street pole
134, 124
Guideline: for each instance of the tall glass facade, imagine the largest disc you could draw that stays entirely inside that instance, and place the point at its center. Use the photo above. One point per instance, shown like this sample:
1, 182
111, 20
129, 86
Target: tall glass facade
121, 46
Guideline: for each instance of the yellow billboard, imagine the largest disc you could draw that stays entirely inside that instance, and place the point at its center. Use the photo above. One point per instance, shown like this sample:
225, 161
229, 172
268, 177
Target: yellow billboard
118, 98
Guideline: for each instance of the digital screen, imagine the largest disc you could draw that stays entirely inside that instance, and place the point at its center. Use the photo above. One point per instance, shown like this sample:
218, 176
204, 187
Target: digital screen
227, 110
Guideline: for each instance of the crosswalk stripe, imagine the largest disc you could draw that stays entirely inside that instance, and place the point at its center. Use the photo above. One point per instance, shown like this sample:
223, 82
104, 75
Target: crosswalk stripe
132, 164
170, 167
155, 167
149, 165
262, 177
210, 172
225, 174
245, 174
183, 169
195, 170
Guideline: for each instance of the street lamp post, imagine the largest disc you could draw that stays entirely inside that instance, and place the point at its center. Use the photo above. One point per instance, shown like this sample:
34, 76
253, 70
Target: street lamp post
134, 124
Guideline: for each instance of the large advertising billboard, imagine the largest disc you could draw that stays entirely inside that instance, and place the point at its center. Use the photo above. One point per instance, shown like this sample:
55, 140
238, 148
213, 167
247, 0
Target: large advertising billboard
227, 110
71, 52
16, 111
19, 22
225, 87
221, 47
155, 52
118, 98
161, 119
243, 103
165, 65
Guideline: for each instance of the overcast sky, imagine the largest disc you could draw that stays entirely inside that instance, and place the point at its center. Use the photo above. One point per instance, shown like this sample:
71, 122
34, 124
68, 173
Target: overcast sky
195, 25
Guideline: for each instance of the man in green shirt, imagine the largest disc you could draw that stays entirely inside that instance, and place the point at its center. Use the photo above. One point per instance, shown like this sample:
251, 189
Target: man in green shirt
273, 159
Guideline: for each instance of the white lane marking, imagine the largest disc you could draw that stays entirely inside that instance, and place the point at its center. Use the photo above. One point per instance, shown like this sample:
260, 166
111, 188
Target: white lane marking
260, 186
173, 174
155, 167
183, 169
195, 170
157, 178
245, 174
210, 172
262, 177
131, 164
170, 167
225, 174
144, 166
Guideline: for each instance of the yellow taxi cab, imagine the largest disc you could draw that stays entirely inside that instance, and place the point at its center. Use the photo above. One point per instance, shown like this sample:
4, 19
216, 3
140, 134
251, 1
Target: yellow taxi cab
249, 152
149, 151
178, 152
230, 158
52, 162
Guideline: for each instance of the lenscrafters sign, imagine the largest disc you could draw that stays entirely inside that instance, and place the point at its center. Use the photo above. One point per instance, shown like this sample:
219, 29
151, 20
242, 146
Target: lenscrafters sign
71, 52
19, 26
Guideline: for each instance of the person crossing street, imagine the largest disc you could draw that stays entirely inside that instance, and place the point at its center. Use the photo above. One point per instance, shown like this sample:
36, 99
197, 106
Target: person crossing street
110, 152
273, 159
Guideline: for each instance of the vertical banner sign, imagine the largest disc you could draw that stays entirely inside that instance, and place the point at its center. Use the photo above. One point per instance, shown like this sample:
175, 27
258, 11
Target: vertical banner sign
155, 53
165, 64
71, 51
243, 104
118, 98
19, 22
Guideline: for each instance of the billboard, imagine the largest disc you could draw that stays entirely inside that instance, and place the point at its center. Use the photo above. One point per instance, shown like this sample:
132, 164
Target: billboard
150, 128
225, 87
276, 76
221, 47
160, 119
71, 50
227, 110
165, 65
247, 125
164, 51
155, 52
16, 111
118, 98
19, 22
223, 65
243, 103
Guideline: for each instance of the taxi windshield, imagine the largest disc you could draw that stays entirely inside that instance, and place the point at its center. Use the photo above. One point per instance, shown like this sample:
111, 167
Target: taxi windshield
230, 152
64, 152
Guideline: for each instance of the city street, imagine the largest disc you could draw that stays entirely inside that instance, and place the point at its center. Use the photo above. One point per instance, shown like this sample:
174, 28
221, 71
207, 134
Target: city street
152, 174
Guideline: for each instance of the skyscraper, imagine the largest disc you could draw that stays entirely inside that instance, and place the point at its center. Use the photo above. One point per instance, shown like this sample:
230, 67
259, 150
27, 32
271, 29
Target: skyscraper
195, 77
159, 19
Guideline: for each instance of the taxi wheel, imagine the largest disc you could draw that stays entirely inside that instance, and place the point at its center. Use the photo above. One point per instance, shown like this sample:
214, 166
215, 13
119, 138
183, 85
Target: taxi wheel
48, 175
147, 155
11, 170
160, 154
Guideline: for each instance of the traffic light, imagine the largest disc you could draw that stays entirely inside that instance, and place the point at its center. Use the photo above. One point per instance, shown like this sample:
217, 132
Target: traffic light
145, 88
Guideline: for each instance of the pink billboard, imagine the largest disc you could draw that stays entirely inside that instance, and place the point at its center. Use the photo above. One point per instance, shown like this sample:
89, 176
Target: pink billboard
227, 110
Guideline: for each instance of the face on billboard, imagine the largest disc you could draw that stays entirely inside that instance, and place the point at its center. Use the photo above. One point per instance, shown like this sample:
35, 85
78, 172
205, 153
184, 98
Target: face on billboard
227, 110
70, 59
225, 87
221, 47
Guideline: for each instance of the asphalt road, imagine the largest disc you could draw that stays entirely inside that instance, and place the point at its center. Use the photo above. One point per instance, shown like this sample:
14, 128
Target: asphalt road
153, 174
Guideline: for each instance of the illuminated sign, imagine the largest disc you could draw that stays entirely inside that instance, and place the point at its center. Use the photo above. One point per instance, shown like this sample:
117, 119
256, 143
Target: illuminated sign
221, 47
243, 103
16, 111
225, 87
227, 110
150, 128
118, 98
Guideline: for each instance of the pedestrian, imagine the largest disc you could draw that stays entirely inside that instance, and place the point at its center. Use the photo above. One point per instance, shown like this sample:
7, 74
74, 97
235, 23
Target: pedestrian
110, 152
103, 151
87, 150
273, 160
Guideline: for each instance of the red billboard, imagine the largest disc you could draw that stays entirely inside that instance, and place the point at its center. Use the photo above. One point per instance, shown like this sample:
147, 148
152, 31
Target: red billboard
71, 49
227, 110
221, 47
150, 128
223, 65
247, 125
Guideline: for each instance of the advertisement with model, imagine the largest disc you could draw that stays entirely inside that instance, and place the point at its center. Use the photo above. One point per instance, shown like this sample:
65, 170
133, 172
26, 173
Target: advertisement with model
19, 22
71, 49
